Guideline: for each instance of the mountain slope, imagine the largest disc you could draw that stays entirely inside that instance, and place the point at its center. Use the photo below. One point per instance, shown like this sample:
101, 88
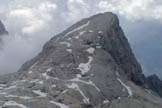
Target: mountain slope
89, 65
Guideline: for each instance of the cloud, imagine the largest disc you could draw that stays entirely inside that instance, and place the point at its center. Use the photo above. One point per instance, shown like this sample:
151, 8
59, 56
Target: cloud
134, 9
29, 28
32, 19
77, 9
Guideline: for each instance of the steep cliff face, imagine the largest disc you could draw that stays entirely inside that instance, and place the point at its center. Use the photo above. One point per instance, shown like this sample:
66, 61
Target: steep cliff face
89, 65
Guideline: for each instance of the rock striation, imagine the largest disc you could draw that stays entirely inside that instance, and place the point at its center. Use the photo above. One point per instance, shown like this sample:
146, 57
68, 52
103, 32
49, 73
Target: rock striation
89, 65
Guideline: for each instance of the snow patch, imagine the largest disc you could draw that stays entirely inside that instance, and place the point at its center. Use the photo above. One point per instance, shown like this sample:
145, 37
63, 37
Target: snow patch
85, 82
33, 65
82, 32
11, 87
98, 46
21, 97
66, 43
106, 101
40, 82
13, 103
93, 84
30, 72
76, 87
49, 69
64, 91
69, 39
127, 87
100, 32
61, 105
69, 50
77, 29
45, 75
85, 67
76, 37
34, 81
53, 86
41, 94
91, 31
90, 50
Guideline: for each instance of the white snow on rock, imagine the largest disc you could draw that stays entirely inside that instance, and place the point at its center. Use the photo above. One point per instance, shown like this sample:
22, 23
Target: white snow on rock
53, 86
11, 87
45, 75
61, 105
100, 32
66, 43
69, 39
77, 29
93, 84
127, 87
77, 79
98, 46
90, 50
30, 72
40, 82
91, 31
13, 103
64, 91
2, 93
21, 97
106, 101
41, 94
85, 67
77, 37
34, 81
76, 87
69, 50
49, 69
33, 65
82, 32
2, 85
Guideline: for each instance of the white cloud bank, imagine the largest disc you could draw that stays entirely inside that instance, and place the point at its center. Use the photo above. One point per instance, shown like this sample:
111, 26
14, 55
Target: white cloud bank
134, 9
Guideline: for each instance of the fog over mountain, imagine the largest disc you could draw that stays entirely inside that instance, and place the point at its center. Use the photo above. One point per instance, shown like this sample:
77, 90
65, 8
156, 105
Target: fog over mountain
30, 26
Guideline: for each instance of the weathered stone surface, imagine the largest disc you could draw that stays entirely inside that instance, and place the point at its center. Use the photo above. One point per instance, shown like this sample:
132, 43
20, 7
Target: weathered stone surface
89, 65
155, 84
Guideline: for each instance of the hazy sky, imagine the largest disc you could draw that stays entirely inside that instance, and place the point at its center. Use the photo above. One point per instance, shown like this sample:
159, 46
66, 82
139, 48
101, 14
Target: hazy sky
32, 22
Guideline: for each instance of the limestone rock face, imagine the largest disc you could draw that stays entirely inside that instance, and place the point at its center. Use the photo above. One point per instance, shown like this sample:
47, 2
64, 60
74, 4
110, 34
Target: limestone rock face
89, 65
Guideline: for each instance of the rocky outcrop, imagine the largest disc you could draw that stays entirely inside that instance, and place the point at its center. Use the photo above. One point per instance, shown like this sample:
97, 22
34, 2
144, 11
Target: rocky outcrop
155, 84
89, 65
3, 30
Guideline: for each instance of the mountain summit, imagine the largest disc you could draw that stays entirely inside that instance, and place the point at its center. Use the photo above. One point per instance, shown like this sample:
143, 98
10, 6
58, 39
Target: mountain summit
3, 31
89, 65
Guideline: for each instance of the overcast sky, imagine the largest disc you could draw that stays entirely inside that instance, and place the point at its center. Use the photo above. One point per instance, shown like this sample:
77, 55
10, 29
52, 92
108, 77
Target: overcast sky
32, 22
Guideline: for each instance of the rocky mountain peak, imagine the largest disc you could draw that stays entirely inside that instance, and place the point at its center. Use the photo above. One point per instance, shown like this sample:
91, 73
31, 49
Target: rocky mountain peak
89, 65
3, 30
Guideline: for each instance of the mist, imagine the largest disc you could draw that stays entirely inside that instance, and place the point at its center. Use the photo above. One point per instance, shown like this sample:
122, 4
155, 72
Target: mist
32, 23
